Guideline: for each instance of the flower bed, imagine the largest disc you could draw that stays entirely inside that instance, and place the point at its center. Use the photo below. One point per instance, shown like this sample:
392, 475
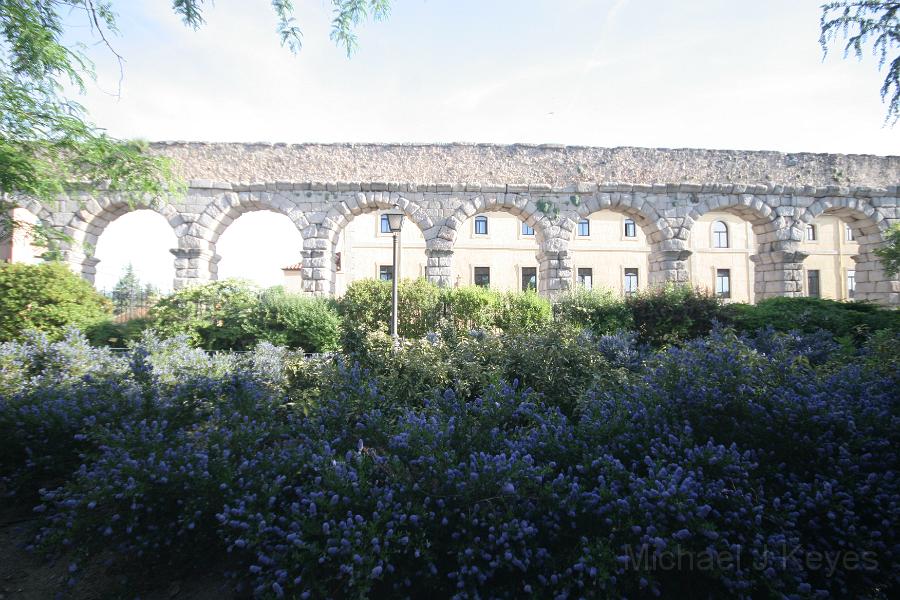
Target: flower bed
760, 466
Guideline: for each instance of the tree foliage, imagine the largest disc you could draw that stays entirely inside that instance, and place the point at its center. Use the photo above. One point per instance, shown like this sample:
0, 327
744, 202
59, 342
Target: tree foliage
48, 298
47, 142
865, 22
890, 254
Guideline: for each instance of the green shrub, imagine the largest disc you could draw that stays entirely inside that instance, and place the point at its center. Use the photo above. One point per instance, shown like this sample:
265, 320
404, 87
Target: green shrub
521, 312
842, 319
557, 363
366, 308
296, 321
419, 304
233, 315
214, 316
366, 305
600, 310
117, 335
47, 297
408, 372
667, 314
470, 307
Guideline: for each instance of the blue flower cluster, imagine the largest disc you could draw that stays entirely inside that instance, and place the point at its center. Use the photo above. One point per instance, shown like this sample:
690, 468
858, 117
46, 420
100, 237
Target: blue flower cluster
762, 466
59, 399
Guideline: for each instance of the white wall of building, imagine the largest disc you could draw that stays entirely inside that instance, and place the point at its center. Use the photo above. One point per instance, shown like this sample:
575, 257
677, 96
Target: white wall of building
607, 252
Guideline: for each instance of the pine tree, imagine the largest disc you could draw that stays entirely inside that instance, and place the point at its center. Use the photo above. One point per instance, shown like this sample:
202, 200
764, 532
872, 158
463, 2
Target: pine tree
863, 22
128, 291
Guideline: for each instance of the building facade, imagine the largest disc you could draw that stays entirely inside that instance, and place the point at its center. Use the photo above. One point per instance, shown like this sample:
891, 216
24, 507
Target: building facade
747, 225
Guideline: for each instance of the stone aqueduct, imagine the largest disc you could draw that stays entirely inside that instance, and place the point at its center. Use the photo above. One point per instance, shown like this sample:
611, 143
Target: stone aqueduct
322, 187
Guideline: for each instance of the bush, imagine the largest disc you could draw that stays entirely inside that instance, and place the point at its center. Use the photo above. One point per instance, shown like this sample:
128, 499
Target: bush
776, 452
419, 304
296, 321
366, 305
523, 312
671, 313
233, 315
37, 362
560, 365
854, 320
117, 334
47, 297
424, 308
214, 316
601, 311
470, 307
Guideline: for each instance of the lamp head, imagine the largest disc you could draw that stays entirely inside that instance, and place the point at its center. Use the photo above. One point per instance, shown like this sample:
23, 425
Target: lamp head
395, 221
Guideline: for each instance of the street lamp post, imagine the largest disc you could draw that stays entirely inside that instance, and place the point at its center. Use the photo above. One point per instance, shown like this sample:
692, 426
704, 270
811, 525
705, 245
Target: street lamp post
395, 223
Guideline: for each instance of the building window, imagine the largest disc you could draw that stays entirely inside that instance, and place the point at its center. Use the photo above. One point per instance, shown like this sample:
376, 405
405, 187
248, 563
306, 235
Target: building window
630, 228
527, 229
810, 233
848, 233
481, 226
723, 283
720, 234
812, 283
584, 228
529, 278
586, 278
631, 282
482, 277
386, 272
851, 283
385, 224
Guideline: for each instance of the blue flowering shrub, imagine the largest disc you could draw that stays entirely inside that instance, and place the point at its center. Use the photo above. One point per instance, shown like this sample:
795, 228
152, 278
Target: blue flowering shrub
37, 361
57, 397
725, 466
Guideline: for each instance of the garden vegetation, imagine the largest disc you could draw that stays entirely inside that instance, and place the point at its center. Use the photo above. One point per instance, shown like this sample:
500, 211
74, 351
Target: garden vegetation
662, 445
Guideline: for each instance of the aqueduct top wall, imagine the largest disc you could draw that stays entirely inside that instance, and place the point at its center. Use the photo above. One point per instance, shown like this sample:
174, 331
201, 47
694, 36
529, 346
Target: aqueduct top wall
548, 164
322, 187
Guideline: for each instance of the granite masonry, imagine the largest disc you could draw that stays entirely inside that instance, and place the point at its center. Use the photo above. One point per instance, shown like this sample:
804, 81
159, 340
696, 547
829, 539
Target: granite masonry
321, 187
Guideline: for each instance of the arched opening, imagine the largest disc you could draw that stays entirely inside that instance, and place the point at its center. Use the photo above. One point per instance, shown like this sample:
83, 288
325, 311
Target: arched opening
849, 230
18, 239
830, 246
141, 239
496, 249
721, 245
610, 250
261, 246
363, 249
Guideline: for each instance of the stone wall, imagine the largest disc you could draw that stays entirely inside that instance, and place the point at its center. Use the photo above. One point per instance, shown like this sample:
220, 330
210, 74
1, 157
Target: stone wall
521, 164
322, 187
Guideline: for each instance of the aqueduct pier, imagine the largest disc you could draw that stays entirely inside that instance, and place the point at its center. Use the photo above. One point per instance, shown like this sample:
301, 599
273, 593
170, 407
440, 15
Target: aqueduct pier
321, 187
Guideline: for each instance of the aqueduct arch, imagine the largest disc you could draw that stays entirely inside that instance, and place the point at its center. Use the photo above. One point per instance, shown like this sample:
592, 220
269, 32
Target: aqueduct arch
195, 257
321, 187
319, 270
85, 226
320, 265
776, 259
667, 254
553, 270
869, 226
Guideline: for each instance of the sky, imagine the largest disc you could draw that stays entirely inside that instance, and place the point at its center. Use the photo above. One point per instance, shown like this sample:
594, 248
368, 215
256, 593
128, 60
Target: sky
655, 73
